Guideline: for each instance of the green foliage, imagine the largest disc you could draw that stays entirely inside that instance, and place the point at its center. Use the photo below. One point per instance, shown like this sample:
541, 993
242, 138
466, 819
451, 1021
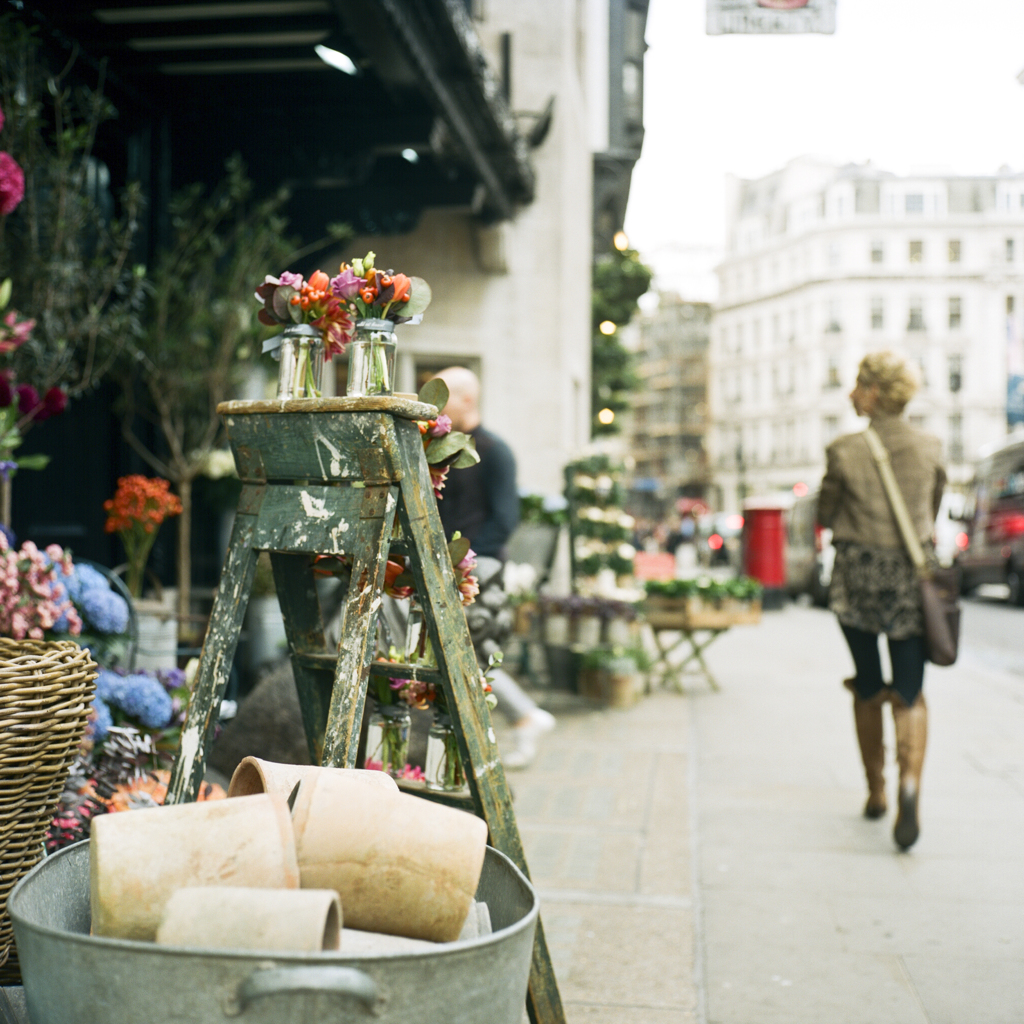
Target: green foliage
68, 246
200, 329
743, 588
532, 510
618, 281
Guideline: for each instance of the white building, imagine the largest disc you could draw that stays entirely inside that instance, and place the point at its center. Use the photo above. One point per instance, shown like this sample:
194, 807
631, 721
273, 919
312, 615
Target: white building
512, 298
827, 263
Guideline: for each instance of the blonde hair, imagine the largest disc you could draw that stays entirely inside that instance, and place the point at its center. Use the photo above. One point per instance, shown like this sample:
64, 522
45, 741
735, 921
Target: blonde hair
895, 380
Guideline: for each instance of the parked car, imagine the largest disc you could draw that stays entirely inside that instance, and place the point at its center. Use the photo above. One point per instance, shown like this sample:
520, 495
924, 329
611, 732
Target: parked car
992, 542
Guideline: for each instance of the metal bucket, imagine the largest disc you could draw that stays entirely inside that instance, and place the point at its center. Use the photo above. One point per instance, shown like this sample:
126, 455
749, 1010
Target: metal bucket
71, 977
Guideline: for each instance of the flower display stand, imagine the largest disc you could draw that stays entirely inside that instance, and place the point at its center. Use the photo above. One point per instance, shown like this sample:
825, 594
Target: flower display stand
330, 476
680, 622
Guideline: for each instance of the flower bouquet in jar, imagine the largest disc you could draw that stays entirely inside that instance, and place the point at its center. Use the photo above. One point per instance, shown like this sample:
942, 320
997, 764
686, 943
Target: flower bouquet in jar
321, 316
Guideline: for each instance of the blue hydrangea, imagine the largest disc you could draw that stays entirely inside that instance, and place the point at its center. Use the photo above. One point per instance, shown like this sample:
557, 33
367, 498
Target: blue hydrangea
100, 725
146, 699
111, 687
104, 610
83, 579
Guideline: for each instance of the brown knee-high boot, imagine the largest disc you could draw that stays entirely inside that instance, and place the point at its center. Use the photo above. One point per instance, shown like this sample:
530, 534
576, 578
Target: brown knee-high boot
911, 739
867, 715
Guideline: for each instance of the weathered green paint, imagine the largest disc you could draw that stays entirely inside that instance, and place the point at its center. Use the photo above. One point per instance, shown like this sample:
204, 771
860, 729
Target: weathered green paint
215, 661
332, 476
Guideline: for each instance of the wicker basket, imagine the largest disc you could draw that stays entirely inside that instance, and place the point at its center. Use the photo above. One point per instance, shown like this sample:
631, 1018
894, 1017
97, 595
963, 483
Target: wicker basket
45, 691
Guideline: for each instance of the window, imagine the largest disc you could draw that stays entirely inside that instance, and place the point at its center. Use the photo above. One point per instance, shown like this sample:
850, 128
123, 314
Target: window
832, 379
877, 251
954, 250
914, 203
877, 313
956, 438
829, 428
776, 328
739, 338
915, 320
835, 321
916, 252
834, 255
954, 312
956, 379
1009, 305
1009, 250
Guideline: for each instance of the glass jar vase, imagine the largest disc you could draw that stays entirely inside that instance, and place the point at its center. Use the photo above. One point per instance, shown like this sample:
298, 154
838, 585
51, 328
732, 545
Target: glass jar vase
371, 359
387, 739
443, 770
301, 358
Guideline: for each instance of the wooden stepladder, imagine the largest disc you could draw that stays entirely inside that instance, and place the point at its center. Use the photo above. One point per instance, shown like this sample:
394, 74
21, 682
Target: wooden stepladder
329, 477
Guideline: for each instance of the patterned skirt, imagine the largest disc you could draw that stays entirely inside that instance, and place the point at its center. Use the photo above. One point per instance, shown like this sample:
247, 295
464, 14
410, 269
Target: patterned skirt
876, 590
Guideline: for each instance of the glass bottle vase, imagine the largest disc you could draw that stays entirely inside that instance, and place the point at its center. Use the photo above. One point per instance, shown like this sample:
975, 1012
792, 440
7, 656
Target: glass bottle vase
301, 358
387, 739
443, 770
371, 359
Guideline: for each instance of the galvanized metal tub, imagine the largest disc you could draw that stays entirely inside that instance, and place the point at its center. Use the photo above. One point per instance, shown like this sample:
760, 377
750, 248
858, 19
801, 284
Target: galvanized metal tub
71, 977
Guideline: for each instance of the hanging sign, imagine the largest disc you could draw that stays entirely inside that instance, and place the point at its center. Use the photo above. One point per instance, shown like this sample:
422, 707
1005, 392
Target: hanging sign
771, 17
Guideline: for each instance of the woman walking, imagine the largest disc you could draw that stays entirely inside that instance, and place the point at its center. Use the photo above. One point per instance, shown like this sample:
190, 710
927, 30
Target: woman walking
874, 585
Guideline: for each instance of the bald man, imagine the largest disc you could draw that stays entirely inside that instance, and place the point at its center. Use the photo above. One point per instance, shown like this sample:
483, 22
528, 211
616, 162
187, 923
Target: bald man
482, 503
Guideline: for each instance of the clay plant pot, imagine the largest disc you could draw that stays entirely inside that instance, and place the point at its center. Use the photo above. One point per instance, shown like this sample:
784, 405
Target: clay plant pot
254, 775
400, 864
139, 858
232, 917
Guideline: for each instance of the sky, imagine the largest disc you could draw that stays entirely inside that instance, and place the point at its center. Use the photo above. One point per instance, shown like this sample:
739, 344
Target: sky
912, 85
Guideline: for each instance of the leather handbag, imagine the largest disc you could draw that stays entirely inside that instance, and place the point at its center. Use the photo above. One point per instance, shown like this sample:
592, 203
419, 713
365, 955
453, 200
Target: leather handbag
940, 587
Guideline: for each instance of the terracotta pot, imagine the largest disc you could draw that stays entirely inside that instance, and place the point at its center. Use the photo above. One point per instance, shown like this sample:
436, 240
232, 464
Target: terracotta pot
254, 775
138, 858
400, 864
230, 917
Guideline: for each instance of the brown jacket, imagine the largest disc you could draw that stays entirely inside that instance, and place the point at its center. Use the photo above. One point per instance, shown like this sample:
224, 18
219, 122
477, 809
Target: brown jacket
852, 500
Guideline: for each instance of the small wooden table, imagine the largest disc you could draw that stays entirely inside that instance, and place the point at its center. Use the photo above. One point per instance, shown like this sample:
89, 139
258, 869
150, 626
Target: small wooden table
689, 622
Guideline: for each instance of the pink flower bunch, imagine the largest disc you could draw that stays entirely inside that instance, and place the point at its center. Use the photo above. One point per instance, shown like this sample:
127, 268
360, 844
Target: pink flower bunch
14, 332
32, 597
469, 585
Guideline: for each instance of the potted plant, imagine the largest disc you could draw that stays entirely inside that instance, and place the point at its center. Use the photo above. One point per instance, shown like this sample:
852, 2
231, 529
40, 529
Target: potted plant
138, 508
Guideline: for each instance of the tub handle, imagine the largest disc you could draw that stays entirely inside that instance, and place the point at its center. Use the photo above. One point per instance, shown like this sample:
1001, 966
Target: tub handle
345, 981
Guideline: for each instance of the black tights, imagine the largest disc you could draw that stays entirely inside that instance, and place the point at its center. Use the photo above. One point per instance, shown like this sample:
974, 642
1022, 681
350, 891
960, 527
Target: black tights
907, 657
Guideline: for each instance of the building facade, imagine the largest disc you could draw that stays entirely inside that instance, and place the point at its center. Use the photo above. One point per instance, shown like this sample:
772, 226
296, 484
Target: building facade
827, 263
668, 420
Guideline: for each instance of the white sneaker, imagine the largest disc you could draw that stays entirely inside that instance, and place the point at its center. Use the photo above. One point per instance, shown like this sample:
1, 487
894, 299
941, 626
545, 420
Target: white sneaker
526, 734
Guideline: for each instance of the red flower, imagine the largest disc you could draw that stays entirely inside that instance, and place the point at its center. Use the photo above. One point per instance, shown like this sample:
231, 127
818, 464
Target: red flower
55, 401
12, 184
28, 398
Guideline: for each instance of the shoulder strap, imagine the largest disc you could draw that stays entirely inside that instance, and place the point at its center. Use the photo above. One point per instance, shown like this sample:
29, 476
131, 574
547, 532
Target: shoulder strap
896, 502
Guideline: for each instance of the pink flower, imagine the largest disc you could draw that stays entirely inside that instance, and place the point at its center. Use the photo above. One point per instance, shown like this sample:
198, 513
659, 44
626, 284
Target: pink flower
442, 425
12, 184
438, 475
346, 285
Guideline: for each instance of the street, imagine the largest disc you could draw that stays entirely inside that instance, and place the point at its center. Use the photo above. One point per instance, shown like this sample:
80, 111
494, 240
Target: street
702, 857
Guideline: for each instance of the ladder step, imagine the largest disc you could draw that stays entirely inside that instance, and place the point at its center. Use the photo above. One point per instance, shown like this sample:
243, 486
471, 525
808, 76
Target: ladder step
326, 661
402, 670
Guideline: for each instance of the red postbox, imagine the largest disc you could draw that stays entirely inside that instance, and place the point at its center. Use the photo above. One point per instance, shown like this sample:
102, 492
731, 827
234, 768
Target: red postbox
764, 547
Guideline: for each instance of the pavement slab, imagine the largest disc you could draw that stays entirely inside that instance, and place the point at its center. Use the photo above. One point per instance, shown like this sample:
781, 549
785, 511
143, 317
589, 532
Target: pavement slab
702, 857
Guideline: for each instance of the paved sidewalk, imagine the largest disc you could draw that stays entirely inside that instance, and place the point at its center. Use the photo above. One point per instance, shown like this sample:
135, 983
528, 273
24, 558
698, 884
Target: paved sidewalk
803, 911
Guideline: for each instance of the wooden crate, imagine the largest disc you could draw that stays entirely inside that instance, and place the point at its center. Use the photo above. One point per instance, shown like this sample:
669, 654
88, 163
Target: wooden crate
693, 613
